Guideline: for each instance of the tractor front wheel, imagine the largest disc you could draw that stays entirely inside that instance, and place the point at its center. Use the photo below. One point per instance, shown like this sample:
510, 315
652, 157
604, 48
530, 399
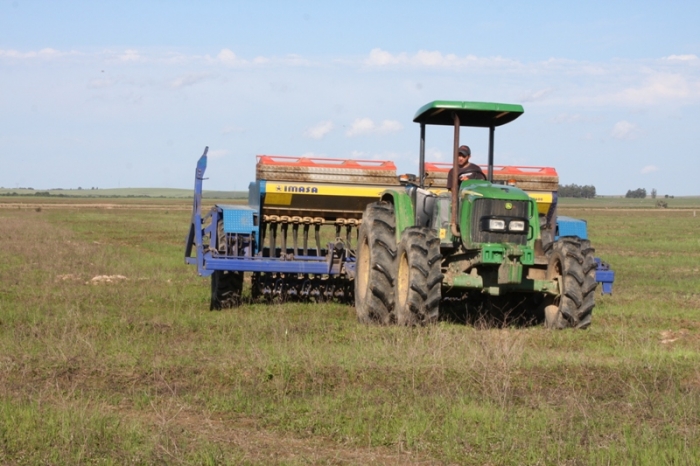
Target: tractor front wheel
418, 288
376, 265
571, 263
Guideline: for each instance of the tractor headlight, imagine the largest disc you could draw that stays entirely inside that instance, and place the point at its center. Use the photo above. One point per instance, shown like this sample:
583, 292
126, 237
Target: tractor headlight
516, 225
497, 224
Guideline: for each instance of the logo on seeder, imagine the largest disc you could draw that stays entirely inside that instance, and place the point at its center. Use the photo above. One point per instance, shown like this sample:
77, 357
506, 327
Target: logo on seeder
298, 189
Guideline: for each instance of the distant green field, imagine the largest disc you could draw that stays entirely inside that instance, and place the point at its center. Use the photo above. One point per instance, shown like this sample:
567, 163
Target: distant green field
122, 192
686, 202
601, 202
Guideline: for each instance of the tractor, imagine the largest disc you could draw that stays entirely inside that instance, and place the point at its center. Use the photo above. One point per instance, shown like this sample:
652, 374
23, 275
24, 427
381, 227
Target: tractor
494, 243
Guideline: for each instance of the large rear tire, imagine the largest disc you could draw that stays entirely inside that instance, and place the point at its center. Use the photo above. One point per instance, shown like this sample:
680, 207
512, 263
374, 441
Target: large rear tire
571, 262
419, 279
376, 265
226, 286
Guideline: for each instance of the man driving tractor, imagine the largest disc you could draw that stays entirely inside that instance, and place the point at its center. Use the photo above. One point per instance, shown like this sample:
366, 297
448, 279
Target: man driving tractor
467, 170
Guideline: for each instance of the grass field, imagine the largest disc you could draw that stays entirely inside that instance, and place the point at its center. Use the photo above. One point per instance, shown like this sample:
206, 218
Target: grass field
109, 355
170, 193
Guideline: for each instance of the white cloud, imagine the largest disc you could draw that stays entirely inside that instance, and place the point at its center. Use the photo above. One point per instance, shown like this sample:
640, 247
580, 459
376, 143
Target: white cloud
563, 118
363, 126
100, 83
389, 126
14, 54
435, 155
175, 58
624, 130
690, 57
431, 59
232, 129
435, 58
660, 87
46, 53
566, 118
292, 60
536, 95
227, 57
131, 56
649, 169
189, 80
379, 57
218, 153
319, 130
49, 53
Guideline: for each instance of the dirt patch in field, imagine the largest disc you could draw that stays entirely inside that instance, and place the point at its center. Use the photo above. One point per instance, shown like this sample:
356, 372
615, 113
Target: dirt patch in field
258, 445
101, 279
671, 336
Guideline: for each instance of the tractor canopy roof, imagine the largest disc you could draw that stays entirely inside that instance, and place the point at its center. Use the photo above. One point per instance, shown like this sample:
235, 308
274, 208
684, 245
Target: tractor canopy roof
481, 114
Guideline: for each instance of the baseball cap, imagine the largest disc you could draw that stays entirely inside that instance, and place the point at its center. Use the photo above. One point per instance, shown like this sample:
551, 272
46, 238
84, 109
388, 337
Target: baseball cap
465, 150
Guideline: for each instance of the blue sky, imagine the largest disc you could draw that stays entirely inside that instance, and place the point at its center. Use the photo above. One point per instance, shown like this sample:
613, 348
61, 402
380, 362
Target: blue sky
127, 94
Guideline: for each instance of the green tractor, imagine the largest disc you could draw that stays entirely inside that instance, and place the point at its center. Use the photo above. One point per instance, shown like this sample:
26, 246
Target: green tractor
493, 244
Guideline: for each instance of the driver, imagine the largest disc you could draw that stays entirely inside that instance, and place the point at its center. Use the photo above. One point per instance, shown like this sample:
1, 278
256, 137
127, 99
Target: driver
467, 171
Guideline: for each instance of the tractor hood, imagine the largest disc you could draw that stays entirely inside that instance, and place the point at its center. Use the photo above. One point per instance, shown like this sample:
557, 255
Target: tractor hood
475, 189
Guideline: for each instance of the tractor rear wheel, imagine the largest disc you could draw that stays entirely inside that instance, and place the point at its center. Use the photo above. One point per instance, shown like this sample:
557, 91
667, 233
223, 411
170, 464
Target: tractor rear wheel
376, 264
226, 289
571, 262
226, 286
419, 279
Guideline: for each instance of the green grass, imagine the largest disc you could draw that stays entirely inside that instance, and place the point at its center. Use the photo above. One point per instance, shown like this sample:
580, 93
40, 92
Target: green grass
138, 371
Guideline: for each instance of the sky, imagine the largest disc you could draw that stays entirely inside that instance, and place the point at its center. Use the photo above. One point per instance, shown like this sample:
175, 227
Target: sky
128, 94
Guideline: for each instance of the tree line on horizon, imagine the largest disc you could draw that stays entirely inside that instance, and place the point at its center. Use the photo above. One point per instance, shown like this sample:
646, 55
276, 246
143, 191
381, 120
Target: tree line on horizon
574, 190
639, 193
589, 192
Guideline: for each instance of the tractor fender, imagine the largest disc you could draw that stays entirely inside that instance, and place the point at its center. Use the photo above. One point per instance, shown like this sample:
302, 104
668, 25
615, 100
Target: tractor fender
568, 226
403, 209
